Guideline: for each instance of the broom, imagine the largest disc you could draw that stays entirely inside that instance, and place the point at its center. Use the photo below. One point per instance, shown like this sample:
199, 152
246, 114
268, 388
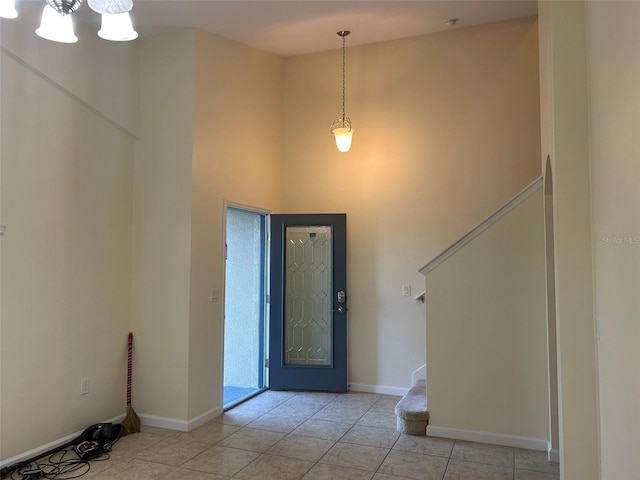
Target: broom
131, 422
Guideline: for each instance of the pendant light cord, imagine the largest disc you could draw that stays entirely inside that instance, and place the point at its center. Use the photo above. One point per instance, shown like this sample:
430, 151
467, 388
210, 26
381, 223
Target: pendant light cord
343, 34
341, 127
343, 74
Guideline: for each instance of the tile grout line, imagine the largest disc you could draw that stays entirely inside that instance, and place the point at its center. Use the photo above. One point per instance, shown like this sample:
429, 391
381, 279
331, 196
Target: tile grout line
444, 474
385, 457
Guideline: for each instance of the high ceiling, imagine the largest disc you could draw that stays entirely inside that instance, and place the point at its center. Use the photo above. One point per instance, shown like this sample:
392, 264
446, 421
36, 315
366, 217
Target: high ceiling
295, 27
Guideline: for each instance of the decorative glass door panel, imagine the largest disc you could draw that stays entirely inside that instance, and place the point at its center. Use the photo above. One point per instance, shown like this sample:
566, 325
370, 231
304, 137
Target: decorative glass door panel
308, 311
308, 308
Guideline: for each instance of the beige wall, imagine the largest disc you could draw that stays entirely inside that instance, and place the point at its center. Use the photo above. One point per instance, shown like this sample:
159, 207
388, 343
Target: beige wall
487, 334
162, 226
66, 192
237, 155
446, 130
209, 134
565, 123
615, 150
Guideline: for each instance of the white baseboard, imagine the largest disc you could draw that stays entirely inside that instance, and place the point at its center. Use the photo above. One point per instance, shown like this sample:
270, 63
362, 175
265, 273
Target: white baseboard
164, 422
489, 437
149, 420
363, 387
179, 425
204, 418
51, 445
553, 455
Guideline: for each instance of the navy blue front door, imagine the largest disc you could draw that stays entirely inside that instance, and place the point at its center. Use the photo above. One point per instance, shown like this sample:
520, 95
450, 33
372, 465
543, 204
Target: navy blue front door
308, 309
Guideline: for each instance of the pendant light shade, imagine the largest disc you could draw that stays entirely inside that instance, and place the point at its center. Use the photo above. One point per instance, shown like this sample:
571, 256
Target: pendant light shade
8, 9
341, 128
343, 137
56, 27
111, 7
117, 27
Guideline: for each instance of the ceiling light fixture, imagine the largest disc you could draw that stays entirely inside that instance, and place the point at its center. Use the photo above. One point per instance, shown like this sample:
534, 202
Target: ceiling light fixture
57, 25
117, 27
341, 128
111, 7
65, 7
8, 9
116, 21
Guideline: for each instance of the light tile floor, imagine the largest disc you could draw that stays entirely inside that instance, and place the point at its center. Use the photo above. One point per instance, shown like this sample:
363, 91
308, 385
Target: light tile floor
313, 436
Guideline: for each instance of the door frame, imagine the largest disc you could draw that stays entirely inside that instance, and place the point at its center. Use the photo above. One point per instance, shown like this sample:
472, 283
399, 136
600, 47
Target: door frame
265, 307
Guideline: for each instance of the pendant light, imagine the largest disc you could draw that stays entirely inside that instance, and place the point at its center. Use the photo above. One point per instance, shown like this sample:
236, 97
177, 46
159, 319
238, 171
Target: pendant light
117, 27
8, 9
116, 20
341, 128
56, 23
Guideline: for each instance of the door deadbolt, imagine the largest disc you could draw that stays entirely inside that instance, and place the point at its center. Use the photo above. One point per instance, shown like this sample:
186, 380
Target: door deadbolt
342, 309
342, 297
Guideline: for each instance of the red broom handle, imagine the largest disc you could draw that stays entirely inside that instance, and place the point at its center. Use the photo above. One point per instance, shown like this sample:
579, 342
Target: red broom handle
129, 357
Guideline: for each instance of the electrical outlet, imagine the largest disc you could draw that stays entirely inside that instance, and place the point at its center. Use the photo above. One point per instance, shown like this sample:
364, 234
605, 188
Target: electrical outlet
84, 386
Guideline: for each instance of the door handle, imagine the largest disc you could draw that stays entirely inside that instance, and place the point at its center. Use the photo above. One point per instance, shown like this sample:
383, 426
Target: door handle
342, 309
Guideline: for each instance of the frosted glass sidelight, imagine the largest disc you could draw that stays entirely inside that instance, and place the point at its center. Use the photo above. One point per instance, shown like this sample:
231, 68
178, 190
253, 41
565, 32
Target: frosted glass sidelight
308, 307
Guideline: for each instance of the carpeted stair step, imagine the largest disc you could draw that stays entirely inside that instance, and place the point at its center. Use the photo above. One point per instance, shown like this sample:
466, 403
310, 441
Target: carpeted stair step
412, 410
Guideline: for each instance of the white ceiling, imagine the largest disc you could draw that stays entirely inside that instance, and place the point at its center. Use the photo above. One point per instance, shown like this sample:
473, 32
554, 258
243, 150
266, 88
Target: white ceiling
295, 27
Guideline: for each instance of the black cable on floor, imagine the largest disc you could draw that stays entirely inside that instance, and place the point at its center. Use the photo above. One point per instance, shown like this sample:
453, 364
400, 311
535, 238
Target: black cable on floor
57, 466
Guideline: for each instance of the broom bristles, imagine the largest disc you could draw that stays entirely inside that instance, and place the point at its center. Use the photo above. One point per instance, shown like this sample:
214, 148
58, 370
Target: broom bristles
131, 422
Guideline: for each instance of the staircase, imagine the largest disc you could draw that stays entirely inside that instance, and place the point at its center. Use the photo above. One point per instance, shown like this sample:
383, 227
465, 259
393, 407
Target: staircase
498, 269
412, 412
